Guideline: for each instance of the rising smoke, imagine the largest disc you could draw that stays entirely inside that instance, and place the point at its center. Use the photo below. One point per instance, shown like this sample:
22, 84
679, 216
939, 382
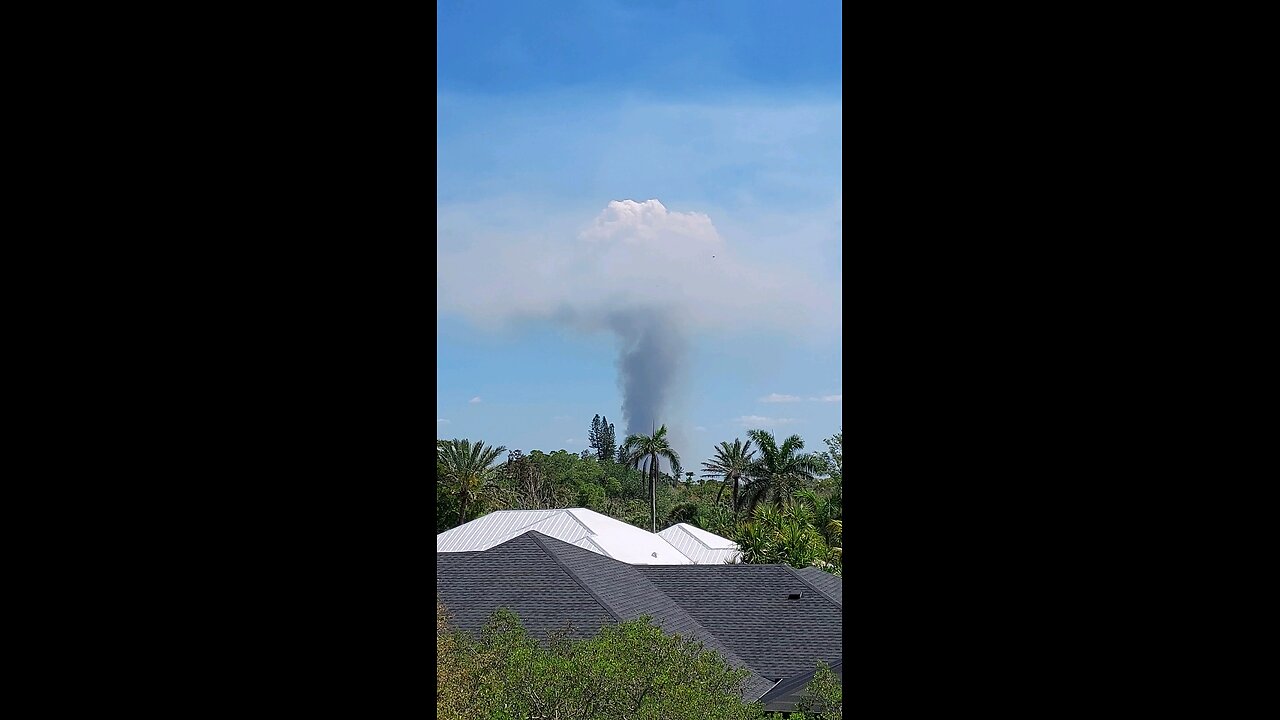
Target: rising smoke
652, 277
651, 353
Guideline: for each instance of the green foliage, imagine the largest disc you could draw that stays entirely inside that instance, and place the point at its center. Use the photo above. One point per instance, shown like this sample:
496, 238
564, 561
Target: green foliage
647, 451
628, 670
623, 482
780, 470
825, 514
787, 535
716, 519
783, 515
446, 504
530, 483
834, 456
731, 464
467, 473
539, 481
462, 669
683, 513
603, 439
640, 520
823, 696
592, 497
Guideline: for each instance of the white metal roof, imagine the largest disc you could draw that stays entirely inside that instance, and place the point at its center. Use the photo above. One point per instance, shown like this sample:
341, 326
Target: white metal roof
700, 546
585, 528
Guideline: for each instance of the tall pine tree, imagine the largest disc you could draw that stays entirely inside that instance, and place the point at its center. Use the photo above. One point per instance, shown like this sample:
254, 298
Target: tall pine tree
593, 436
607, 452
603, 439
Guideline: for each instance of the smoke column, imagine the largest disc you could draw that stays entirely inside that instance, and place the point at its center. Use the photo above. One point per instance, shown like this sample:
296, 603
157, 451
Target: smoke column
650, 357
655, 279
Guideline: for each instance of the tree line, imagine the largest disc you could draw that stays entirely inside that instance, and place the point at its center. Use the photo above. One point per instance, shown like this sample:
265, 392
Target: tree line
780, 504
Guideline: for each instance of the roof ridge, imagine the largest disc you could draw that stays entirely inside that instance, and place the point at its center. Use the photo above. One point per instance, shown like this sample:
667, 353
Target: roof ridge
512, 535
533, 534
695, 537
665, 616
678, 550
598, 546
813, 587
575, 519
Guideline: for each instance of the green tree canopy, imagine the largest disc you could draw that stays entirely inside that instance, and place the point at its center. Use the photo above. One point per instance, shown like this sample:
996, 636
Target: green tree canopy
603, 439
780, 470
823, 697
628, 670
641, 449
731, 464
834, 454
834, 460
467, 471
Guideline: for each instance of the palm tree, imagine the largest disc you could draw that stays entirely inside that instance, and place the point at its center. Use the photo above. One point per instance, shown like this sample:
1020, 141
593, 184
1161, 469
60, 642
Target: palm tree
784, 535
827, 515
730, 464
469, 468
780, 470
637, 449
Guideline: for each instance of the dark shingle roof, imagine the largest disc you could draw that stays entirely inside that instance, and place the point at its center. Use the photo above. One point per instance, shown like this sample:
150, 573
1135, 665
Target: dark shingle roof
747, 607
742, 612
451, 558
830, 585
784, 696
520, 576
555, 583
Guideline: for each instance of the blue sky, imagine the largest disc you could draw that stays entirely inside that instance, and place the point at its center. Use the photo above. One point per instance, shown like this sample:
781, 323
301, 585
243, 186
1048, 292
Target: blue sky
678, 162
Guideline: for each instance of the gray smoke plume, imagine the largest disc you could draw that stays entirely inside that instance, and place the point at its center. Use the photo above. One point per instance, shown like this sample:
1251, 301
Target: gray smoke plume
654, 278
652, 351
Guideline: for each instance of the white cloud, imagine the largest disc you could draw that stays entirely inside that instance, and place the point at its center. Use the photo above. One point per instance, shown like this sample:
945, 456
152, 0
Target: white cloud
569, 441
828, 398
776, 398
700, 429
633, 255
759, 421
441, 421
476, 399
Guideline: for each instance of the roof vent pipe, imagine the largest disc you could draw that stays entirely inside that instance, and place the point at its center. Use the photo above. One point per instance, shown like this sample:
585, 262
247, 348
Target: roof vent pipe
794, 596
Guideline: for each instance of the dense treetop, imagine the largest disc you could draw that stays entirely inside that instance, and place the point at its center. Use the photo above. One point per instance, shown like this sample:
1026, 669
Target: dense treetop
780, 503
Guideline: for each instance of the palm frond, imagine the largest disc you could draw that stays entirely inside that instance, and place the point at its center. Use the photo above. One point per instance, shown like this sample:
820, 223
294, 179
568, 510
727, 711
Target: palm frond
672, 457
791, 444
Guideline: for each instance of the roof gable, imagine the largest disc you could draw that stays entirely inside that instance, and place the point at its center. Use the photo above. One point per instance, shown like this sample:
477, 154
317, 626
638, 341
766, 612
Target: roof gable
708, 539
520, 576
700, 546
489, 530
574, 581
